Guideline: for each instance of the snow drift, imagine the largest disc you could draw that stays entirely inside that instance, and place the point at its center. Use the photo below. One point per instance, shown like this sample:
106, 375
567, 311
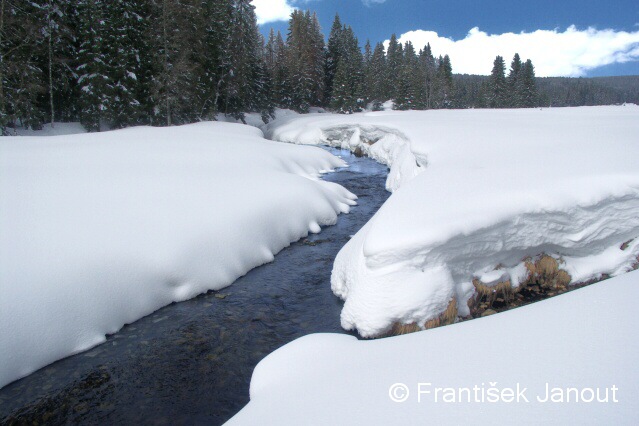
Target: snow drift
580, 340
99, 230
476, 192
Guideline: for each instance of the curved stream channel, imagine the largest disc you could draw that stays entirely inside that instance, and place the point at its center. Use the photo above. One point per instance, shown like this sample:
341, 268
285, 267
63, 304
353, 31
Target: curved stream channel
191, 362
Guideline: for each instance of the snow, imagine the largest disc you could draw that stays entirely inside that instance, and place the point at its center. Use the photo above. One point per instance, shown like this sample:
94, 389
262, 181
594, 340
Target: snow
58, 129
476, 190
101, 229
582, 340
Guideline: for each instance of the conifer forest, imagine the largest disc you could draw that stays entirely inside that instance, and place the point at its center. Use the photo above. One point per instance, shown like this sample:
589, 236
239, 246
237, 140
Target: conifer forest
118, 63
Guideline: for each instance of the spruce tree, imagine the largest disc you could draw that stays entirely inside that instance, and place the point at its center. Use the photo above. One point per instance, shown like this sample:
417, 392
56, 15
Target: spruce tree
92, 64
124, 46
377, 81
444, 79
427, 61
497, 86
529, 95
394, 58
22, 76
406, 96
514, 82
334, 51
348, 80
305, 61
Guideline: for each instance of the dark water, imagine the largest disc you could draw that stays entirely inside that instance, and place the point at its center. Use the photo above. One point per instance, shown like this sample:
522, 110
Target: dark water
192, 362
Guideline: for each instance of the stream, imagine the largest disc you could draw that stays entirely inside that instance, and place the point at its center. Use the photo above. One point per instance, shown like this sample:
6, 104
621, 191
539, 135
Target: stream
191, 362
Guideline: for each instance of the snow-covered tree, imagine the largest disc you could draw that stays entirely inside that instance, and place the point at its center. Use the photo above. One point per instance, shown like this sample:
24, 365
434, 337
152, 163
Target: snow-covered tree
305, 61
347, 85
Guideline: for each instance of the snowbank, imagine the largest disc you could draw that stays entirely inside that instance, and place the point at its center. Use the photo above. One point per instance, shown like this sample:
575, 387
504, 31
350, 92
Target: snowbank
479, 190
582, 340
99, 230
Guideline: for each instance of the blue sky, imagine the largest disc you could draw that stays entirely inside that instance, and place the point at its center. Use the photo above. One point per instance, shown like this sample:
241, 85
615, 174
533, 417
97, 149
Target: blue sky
585, 49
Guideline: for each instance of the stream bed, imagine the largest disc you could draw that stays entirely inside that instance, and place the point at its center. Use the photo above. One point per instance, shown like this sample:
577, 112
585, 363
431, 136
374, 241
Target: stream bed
191, 362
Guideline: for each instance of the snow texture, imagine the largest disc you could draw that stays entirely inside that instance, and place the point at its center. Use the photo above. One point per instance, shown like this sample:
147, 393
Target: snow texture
583, 340
101, 229
477, 189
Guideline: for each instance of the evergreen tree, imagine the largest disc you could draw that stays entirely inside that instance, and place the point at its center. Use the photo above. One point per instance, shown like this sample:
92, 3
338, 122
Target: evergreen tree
124, 52
92, 64
348, 80
514, 82
429, 68
246, 85
408, 82
444, 79
22, 79
394, 58
376, 77
281, 83
529, 95
305, 61
334, 51
497, 92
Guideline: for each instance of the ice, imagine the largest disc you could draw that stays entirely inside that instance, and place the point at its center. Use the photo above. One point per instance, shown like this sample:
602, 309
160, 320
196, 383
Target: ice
101, 229
477, 189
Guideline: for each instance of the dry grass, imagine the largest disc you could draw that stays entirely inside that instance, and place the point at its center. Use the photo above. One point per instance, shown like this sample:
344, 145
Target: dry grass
545, 278
449, 316
546, 272
487, 295
625, 245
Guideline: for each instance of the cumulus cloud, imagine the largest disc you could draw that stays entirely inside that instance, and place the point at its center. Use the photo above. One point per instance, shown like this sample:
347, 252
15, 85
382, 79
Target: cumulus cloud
272, 10
569, 53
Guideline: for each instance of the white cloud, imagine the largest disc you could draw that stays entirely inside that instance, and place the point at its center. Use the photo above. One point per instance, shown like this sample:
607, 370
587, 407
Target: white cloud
370, 2
554, 53
272, 10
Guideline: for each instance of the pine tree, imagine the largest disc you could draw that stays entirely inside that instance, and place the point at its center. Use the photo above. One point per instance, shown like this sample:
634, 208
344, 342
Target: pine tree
407, 83
444, 78
394, 58
497, 87
244, 88
125, 44
334, 51
92, 64
529, 95
514, 82
305, 61
427, 61
348, 80
22, 79
280, 81
376, 82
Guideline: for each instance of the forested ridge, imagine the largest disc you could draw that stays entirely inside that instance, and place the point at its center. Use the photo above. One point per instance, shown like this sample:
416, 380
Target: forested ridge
113, 64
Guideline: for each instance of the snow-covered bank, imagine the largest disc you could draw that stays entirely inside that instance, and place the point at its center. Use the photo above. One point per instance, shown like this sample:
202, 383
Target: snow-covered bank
582, 340
99, 230
476, 193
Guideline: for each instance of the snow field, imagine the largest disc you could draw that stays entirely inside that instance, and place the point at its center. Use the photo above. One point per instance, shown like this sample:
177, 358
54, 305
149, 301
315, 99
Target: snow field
99, 230
476, 193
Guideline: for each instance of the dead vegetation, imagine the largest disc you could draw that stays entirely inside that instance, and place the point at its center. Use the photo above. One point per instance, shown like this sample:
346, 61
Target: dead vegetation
449, 316
544, 279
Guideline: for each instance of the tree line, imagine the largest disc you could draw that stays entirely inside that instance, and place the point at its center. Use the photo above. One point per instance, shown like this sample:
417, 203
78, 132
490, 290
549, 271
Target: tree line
117, 63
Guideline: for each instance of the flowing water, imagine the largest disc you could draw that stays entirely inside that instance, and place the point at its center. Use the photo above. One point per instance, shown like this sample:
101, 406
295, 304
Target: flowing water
191, 362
